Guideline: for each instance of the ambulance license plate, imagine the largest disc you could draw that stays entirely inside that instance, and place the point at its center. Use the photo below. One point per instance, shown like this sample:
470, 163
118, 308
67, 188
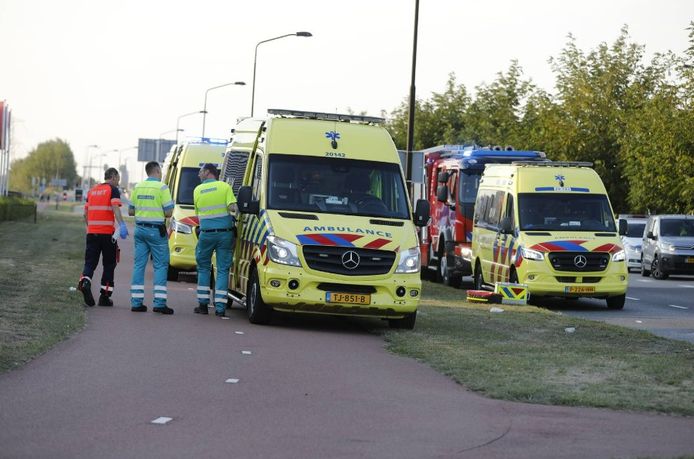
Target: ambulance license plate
689, 260
349, 298
579, 289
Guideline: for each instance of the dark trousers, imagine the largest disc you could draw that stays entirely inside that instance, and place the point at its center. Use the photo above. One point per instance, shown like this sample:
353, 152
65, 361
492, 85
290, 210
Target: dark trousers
98, 245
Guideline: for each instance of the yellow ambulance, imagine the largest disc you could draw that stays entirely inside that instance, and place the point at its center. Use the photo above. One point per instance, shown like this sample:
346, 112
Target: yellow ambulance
180, 173
326, 226
548, 225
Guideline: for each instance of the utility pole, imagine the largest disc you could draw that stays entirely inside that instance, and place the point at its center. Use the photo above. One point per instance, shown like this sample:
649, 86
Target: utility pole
410, 123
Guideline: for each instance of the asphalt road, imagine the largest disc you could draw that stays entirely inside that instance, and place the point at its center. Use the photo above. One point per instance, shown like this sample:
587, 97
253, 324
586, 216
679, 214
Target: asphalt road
663, 307
310, 387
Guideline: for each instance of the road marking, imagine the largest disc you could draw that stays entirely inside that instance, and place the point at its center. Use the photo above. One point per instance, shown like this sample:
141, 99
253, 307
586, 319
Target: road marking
686, 286
645, 280
232, 381
225, 318
246, 352
239, 332
162, 420
632, 298
639, 321
678, 307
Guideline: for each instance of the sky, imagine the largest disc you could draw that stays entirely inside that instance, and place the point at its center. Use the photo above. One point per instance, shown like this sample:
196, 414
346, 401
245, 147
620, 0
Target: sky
96, 72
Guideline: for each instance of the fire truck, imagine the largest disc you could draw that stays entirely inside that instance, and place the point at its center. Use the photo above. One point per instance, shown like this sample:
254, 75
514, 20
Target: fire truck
452, 174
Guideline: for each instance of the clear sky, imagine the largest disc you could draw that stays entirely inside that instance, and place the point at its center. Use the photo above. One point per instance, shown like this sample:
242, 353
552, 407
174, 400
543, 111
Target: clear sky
110, 72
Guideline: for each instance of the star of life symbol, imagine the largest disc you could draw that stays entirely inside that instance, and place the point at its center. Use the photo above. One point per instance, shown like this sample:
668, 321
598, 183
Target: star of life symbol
350, 259
560, 179
332, 135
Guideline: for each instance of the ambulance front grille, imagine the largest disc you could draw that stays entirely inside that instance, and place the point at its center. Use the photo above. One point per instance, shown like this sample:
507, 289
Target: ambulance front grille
579, 261
329, 259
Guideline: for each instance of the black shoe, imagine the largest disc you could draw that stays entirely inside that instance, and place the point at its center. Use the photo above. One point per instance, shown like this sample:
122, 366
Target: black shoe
219, 314
105, 301
163, 310
201, 309
140, 308
85, 286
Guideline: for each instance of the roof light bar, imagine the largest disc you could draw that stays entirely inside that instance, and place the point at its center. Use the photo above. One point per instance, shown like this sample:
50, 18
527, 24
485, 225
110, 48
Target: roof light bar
553, 163
326, 116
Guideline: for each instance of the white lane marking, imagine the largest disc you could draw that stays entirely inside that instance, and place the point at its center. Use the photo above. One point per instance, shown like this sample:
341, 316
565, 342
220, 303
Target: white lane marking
678, 307
246, 352
232, 381
645, 280
162, 420
686, 286
639, 321
225, 318
239, 332
632, 298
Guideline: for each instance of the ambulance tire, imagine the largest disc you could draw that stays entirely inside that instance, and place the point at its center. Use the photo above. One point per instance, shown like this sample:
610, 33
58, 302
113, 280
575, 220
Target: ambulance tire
448, 276
258, 312
478, 278
406, 323
616, 302
172, 274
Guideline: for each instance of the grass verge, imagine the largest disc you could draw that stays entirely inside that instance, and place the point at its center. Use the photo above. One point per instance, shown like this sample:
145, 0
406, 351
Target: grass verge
524, 354
38, 264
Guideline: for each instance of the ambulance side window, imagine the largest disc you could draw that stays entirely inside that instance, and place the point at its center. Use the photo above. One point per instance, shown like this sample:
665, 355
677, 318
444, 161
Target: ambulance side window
257, 175
509, 212
493, 209
481, 207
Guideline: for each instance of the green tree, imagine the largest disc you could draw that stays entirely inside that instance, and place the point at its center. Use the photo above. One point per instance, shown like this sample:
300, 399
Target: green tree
49, 160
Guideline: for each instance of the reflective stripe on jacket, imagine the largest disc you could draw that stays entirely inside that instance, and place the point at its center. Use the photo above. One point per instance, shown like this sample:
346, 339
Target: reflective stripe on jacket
149, 199
100, 218
212, 199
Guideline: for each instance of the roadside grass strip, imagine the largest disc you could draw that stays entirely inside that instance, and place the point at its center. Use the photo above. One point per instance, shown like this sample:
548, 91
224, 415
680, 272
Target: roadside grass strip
527, 354
38, 264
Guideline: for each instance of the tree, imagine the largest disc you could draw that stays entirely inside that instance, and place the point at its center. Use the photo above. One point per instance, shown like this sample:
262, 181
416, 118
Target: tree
49, 160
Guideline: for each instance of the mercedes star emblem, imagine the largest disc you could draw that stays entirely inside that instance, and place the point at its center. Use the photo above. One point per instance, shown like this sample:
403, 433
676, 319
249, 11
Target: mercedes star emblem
350, 259
580, 261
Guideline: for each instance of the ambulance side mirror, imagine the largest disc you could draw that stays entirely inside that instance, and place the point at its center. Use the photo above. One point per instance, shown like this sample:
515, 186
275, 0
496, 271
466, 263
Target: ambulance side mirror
421, 212
506, 226
246, 203
442, 193
623, 225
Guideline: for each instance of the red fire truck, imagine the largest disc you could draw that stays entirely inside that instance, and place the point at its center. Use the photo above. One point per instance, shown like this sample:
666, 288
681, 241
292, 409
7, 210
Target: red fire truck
451, 181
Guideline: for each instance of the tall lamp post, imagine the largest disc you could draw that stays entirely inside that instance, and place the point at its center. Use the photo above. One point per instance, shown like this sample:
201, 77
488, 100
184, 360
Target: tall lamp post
255, 58
178, 121
410, 123
161, 136
87, 161
204, 108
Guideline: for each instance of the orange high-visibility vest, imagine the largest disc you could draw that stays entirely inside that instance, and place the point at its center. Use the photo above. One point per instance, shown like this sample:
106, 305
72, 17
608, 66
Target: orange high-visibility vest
100, 218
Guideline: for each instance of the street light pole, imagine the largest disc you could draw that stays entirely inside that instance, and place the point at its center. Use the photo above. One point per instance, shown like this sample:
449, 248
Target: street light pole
87, 160
204, 108
178, 121
410, 123
255, 58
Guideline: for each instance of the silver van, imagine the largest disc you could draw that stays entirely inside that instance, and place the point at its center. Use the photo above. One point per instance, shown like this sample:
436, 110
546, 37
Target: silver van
668, 246
636, 225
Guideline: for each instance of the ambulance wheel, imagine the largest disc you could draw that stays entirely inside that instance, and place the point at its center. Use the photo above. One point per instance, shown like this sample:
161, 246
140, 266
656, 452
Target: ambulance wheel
513, 277
479, 279
448, 277
616, 302
406, 323
258, 312
172, 274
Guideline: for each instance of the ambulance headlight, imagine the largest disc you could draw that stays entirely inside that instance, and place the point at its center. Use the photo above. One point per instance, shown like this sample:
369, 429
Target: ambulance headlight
179, 227
530, 254
619, 256
282, 252
409, 261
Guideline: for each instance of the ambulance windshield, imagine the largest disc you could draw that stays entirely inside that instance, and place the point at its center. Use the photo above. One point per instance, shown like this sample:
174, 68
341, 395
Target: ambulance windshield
565, 212
337, 186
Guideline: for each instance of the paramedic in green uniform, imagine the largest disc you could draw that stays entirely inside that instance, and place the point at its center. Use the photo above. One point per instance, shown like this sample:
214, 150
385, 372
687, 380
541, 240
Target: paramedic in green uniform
151, 205
213, 202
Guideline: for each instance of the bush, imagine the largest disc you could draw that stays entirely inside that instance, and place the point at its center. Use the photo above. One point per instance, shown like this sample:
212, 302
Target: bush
12, 208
